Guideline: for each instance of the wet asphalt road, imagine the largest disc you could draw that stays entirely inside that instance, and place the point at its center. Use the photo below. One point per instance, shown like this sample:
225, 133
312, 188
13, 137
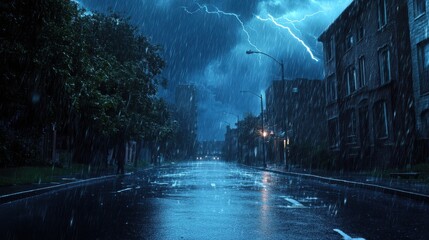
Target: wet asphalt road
213, 200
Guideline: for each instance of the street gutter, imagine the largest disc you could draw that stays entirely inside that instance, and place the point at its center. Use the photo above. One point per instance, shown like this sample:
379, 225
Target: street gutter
374, 187
7, 198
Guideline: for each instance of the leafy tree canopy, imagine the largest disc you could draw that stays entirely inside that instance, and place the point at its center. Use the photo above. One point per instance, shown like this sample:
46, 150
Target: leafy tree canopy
93, 75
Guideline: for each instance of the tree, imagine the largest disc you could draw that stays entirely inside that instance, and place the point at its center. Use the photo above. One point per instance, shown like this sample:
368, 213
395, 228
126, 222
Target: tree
38, 39
249, 133
93, 76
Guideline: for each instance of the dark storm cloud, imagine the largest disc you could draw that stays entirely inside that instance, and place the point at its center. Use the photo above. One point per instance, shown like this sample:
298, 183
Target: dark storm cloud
209, 49
189, 41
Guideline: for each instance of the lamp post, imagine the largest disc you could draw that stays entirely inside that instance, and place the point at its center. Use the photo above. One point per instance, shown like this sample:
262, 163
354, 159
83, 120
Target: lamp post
238, 134
275, 60
227, 144
262, 123
286, 122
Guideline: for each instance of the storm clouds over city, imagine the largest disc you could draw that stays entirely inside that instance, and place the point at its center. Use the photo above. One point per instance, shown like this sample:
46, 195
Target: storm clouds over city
214, 119
205, 43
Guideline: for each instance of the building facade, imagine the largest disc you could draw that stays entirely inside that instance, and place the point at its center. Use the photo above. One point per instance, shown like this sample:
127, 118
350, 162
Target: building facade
418, 21
276, 123
368, 81
303, 114
230, 147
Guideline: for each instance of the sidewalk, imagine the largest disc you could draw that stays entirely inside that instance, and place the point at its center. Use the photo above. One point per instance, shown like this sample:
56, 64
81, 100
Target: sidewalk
410, 188
15, 192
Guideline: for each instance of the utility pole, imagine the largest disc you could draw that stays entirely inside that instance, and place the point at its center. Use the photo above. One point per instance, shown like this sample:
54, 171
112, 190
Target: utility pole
262, 127
284, 115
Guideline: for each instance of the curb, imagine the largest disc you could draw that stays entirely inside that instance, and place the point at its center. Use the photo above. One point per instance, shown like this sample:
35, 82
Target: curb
394, 191
7, 198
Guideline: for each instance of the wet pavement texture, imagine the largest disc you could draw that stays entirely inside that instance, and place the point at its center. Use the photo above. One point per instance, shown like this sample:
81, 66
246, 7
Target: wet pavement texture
213, 200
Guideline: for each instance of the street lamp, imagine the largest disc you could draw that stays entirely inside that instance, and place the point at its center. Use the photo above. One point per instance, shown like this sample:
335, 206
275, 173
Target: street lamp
275, 60
238, 134
228, 140
285, 126
262, 123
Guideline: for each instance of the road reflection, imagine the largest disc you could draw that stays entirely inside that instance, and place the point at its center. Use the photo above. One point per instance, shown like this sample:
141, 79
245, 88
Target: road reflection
265, 207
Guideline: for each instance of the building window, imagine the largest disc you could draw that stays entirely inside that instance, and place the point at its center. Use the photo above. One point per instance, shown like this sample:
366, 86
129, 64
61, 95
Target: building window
423, 56
334, 132
360, 33
382, 13
351, 125
349, 41
363, 126
419, 7
384, 64
425, 123
330, 49
381, 120
331, 88
362, 72
350, 79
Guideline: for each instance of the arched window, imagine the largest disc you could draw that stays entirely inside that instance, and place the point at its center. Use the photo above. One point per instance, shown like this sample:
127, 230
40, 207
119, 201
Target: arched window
419, 8
423, 57
382, 13
381, 120
384, 65
425, 123
350, 79
334, 132
351, 125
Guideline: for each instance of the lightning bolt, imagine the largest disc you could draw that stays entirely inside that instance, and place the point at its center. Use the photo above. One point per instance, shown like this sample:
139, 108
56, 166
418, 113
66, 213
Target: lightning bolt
302, 19
292, 22
270, 18
275, 22
219, 13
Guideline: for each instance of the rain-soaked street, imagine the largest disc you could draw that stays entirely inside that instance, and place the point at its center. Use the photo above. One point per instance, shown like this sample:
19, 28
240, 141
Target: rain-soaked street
213, 200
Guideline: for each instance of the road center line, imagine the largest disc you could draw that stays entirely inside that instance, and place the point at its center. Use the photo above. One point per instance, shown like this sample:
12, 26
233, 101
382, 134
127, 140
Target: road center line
123, 190
345, 236
294, 202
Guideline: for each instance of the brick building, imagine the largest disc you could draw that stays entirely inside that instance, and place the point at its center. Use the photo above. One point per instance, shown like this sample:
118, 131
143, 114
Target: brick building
303, 113
369, 101
418, 21
230, 148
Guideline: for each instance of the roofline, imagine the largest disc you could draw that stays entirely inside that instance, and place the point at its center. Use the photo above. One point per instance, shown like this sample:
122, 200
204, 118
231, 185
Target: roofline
322, 36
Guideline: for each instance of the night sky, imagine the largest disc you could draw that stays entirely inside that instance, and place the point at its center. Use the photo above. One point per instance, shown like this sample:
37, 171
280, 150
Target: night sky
204, 43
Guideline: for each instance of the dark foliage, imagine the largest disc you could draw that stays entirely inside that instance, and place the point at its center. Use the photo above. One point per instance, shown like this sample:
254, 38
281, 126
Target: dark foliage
91, 75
